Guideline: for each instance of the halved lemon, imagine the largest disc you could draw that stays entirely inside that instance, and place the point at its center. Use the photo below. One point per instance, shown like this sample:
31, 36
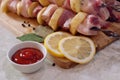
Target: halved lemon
51, 43
77, 49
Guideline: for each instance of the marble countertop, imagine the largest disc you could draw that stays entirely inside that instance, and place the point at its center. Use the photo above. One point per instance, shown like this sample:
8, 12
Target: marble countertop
105, 66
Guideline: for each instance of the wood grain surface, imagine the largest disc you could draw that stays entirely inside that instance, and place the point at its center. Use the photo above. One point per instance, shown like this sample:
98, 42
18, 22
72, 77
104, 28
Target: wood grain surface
13, 23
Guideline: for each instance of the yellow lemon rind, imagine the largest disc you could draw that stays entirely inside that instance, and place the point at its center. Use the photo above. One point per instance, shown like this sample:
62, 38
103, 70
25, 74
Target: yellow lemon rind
83, 61
31, 8
50, 50
4, 7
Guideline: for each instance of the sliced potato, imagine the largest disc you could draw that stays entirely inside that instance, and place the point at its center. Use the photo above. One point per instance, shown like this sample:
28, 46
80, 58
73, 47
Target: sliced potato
75, 5
60, 2
4, 6
19, 8
39, 16
76, 21
53, 23
31, 8
44, 2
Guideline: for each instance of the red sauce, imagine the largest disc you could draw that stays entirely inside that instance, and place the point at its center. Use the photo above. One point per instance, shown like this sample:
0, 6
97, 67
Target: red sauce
27, 56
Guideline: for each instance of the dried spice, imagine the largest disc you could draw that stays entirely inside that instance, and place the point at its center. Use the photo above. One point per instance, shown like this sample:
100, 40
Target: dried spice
26, 24
29, 25
23, 25
53, 64
33, 28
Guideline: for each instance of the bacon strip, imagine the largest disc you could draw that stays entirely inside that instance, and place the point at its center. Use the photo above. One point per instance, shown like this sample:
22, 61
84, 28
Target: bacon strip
12, 6
25, 5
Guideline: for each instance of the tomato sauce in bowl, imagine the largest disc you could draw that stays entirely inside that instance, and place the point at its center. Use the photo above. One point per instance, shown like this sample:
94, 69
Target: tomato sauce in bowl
27, 56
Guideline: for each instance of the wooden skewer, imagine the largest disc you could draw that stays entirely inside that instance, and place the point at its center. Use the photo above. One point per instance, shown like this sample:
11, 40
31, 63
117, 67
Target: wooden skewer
106, 32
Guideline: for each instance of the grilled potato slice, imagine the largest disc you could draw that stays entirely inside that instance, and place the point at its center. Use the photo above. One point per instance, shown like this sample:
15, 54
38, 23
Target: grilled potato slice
76, 21
53, 23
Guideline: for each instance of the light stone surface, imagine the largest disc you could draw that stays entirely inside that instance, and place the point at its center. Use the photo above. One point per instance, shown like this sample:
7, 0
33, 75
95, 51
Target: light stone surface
105, 66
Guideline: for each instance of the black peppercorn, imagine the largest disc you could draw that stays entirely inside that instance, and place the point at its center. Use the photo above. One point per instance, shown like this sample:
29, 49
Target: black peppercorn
53, 64
33, 28
29, 25
23, 25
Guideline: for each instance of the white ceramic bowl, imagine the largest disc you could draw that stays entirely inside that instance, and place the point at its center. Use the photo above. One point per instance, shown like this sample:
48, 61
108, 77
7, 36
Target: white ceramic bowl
28, 68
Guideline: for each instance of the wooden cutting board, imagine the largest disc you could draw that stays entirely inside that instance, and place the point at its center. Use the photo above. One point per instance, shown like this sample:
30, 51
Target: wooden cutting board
14, 24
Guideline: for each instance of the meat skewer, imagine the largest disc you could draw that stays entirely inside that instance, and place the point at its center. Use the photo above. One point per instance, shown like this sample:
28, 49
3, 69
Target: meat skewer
94, 7
55, 16
110, 11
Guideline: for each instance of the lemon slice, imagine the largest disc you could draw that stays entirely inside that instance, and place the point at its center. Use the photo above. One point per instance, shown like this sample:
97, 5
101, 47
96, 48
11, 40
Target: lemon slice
44, 2
77, 49
75, 5
19, 8
76, 21
39, 16
53, 23
51, 43
60, 2
4, 6
31, 8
